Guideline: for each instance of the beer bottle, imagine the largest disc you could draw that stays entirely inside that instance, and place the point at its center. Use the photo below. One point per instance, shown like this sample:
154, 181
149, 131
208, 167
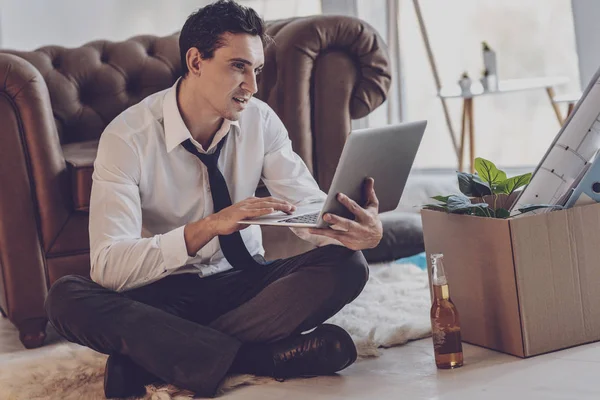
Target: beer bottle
445, 324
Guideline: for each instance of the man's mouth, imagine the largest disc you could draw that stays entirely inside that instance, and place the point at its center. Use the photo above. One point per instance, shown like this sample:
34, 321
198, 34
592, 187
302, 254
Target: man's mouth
241, 100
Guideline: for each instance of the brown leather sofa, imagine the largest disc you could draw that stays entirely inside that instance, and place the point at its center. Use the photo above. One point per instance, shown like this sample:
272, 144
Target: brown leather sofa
55, 102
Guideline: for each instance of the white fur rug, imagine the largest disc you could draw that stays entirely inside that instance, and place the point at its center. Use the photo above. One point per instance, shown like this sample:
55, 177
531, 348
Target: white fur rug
392, 309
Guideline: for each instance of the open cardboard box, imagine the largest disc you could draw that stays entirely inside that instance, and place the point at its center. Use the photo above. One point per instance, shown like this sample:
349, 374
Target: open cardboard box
524, 286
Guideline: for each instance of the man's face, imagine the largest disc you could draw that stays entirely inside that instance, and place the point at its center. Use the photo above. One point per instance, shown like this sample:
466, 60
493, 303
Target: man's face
228, 80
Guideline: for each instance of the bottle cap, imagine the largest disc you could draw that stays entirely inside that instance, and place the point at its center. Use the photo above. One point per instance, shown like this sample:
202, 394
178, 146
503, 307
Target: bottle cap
436, 256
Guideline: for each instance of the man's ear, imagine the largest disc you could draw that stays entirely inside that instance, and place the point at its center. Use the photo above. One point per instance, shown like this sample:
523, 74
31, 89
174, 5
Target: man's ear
194, 61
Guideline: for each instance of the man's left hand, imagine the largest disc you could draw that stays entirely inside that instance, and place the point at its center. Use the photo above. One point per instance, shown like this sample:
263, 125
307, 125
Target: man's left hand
365, 231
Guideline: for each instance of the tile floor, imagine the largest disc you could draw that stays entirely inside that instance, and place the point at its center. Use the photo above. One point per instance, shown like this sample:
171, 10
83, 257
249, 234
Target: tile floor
409, 372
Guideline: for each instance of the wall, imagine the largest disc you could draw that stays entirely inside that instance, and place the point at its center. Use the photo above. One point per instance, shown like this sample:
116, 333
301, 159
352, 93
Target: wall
29, 24
586, 14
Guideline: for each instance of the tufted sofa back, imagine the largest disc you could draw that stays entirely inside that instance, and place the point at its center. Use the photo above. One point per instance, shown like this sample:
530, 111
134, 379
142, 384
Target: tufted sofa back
90, 85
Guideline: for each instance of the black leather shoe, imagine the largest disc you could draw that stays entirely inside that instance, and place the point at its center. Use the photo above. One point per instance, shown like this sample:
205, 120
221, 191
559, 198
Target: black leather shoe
324, 351
124, 378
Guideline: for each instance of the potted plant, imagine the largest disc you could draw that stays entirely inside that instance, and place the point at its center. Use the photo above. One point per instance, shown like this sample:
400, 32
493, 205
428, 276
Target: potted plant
487, 193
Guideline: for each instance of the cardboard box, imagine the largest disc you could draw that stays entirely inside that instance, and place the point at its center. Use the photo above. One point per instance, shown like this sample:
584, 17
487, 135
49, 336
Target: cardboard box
526, 285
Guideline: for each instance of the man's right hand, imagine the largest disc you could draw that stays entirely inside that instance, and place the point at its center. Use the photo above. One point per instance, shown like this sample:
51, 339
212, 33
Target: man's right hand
227, 219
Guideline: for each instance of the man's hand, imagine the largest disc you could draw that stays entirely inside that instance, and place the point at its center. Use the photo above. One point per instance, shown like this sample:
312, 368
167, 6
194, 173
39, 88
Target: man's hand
198, 234
227, 219
363, 233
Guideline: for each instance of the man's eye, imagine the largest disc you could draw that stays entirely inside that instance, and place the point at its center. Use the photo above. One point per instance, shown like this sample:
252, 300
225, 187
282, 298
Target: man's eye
239, 66
258, 71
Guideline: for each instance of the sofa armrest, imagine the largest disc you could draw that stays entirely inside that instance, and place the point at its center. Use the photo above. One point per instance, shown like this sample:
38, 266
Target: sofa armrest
34, 202
322, 72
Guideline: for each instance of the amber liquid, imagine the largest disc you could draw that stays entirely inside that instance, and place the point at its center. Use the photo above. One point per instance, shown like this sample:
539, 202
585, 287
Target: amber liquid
445, 325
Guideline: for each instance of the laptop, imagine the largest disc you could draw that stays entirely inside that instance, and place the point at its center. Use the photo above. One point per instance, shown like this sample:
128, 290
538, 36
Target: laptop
386, 154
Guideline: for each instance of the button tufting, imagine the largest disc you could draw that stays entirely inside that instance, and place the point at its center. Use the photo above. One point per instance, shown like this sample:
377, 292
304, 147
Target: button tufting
83, 96
132, 87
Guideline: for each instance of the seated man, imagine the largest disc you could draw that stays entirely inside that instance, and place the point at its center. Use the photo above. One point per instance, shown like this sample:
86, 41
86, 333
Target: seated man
180, 292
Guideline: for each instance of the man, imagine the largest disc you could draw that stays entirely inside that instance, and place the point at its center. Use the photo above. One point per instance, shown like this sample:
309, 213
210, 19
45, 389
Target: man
180, 291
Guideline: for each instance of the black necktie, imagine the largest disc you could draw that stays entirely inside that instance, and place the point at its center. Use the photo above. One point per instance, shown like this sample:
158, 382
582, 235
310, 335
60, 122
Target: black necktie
233, 246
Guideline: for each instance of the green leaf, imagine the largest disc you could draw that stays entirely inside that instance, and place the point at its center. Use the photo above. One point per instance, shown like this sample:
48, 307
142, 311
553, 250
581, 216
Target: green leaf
435, 207
502, 187
480, 188
443, 199
463, 211
465, 182
511, 184
496, 190
459, 202
502, 213
472, 186
481, 212
488, 172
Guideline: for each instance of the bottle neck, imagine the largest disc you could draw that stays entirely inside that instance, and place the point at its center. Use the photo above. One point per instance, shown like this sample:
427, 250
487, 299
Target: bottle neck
441, 292
438, 276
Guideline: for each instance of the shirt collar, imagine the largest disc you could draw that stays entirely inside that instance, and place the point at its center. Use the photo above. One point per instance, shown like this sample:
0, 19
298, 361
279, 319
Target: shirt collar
177, 132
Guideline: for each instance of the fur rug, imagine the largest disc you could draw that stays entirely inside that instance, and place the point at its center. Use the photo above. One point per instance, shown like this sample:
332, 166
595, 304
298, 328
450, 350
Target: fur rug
392, 309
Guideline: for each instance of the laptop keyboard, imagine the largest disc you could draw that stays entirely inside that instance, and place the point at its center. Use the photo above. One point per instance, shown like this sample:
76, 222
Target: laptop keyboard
303, 219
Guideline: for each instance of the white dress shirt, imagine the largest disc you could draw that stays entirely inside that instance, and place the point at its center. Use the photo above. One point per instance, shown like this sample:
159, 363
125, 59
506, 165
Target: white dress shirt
147, 187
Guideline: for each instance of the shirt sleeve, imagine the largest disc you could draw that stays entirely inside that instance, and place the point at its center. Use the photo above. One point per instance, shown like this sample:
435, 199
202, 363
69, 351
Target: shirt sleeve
287, 177
120, 258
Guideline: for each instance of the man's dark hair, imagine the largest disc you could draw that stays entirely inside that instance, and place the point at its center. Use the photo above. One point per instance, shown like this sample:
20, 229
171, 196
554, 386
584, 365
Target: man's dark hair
204, 29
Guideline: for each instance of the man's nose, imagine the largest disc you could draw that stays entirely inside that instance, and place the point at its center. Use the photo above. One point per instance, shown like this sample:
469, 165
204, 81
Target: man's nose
250, 84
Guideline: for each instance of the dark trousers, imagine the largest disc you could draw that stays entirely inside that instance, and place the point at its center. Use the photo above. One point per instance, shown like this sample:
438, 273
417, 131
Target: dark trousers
186, 330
